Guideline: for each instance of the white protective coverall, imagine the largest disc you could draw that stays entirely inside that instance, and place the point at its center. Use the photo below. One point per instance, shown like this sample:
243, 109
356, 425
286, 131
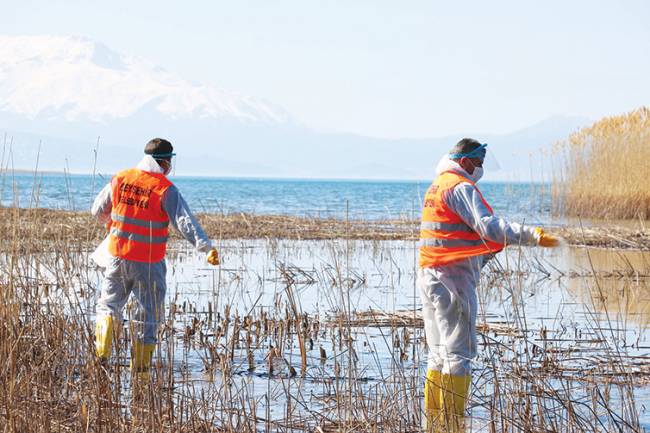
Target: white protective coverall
147, 281
448, 293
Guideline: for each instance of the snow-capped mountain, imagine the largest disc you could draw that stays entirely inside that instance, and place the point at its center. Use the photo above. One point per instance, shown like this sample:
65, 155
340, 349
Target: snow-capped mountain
58, 94
76, 79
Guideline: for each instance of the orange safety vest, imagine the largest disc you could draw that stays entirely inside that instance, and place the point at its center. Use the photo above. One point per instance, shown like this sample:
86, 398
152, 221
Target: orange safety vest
444, 236
139, 226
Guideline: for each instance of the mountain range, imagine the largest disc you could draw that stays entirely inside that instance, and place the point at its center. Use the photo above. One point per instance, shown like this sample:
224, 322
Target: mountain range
60, 93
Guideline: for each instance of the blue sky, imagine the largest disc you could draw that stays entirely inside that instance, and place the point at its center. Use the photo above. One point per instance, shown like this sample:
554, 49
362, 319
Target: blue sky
383, 68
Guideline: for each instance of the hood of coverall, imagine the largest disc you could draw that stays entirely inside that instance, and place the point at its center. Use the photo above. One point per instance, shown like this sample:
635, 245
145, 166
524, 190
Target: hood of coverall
147, 163
446, 164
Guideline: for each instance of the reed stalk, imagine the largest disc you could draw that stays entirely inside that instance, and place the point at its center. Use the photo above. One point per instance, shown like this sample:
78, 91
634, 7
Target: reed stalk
602, 170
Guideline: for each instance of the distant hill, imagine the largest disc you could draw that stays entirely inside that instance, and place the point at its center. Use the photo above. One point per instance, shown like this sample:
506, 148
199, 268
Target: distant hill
66, 91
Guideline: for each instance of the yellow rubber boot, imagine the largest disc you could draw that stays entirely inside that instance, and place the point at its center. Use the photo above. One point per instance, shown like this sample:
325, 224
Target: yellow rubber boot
141, 355
103, 337
454, 397
432, 400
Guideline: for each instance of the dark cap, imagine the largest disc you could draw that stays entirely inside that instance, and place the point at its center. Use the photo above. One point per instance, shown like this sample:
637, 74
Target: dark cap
159, 148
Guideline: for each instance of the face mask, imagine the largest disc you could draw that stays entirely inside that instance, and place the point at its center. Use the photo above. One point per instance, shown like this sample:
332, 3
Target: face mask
477, 174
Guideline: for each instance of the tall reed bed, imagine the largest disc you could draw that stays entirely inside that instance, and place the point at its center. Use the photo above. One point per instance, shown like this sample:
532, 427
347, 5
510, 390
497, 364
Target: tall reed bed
602, 171
273, 364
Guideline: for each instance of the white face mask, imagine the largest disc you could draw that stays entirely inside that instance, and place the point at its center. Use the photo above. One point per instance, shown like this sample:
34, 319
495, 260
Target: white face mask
477, 174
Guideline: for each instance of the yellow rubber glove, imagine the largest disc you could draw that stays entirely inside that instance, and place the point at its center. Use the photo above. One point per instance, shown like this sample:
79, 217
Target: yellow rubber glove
213, 257
546, 240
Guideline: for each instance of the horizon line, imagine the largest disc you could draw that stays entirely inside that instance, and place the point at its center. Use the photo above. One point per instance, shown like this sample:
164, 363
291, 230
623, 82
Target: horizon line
33, 172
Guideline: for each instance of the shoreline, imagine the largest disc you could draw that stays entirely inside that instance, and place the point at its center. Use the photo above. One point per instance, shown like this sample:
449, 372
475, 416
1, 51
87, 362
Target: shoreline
56, 225
183, 175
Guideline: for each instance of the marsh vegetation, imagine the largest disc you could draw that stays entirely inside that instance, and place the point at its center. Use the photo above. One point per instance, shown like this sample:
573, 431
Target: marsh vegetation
317, 329
602, 171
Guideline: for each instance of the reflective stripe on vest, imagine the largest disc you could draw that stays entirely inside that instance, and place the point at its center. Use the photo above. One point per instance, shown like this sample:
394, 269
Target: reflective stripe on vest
444, 236
139, 222
139, 225
137, 237
447, 227
450, 243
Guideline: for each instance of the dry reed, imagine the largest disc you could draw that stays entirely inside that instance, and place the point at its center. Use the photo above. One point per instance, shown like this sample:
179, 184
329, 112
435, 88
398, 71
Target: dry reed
57, 226
321, 370
602, 171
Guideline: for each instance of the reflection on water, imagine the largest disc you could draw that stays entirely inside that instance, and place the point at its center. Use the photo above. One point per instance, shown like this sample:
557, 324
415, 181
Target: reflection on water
612, 281
606, 260
538, 308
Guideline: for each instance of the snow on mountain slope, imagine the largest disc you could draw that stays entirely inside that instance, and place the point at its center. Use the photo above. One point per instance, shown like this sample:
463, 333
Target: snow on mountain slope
77, 79
64, 92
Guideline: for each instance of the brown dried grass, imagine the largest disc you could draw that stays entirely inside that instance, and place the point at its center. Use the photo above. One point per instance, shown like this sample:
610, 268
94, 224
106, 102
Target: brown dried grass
50, 381
59, 229
603, 169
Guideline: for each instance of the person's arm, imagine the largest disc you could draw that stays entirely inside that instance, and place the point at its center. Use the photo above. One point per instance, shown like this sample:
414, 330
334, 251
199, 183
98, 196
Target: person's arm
101, 208
466, 202
182, 219
485, 259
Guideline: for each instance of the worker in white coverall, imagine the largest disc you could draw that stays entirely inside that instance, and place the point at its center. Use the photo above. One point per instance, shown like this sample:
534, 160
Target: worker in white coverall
459, 233
138, 205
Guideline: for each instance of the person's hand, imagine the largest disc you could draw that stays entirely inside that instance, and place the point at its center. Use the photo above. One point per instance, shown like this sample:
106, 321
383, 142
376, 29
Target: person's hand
546, 240
213, 257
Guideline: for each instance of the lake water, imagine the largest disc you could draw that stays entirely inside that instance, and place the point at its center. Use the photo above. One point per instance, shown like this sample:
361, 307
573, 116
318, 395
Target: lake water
539, 305
359, 199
